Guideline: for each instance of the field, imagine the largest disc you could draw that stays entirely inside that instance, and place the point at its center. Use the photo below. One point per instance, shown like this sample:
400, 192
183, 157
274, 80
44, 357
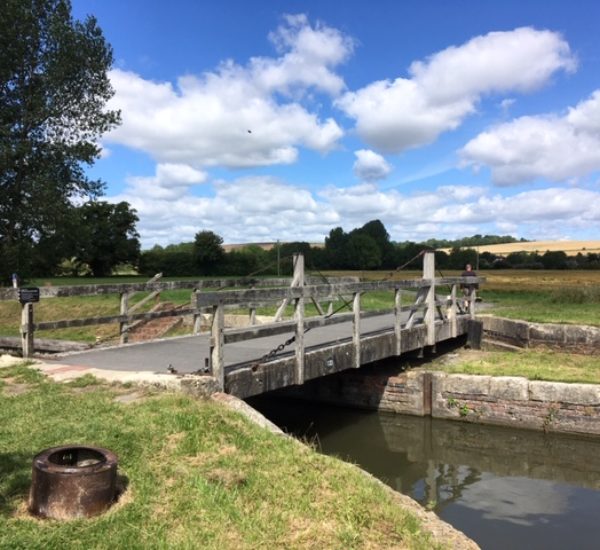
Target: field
571, 248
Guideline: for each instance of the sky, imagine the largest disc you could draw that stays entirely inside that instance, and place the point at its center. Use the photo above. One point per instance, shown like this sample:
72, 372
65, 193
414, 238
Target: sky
280, 120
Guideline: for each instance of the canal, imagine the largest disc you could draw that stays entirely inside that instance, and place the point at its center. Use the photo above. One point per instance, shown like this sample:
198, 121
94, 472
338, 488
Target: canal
504, 488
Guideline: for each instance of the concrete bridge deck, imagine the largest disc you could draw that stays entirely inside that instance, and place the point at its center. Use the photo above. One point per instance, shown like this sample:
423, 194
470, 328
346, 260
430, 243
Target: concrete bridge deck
188, 354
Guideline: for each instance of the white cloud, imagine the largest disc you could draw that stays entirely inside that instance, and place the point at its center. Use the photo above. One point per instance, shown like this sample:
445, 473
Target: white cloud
264, 208
555, 148
171, 182
234, 116
394, 115
369, 166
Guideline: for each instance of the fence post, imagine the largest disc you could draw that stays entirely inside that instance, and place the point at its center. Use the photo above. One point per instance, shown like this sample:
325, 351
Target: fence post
429, 274
398, 319
27, 329
123, 326
197, 315
453, 313
472, 298
356, 330
299, 317
217, 359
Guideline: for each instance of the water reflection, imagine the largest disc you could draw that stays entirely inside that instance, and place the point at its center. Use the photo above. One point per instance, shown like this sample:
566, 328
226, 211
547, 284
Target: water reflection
503, 487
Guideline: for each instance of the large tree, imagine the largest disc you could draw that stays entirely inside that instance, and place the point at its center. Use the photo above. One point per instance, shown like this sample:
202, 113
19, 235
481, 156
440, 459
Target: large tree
54, 88
209, 255
107, 236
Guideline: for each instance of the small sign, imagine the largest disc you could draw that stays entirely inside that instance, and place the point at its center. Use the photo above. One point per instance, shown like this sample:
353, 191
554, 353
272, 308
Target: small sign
29, 295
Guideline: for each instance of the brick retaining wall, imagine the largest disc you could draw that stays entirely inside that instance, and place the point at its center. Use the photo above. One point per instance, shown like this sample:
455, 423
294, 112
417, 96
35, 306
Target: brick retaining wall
502, 400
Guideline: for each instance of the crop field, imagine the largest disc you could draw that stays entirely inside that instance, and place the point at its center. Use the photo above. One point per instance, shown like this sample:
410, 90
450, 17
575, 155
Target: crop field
571, 248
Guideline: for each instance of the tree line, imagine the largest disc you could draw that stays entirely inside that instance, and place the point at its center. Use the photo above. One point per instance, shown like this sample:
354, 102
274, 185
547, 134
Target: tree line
363, 248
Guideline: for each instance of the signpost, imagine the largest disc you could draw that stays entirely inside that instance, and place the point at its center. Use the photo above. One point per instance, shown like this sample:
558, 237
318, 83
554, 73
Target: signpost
27, 297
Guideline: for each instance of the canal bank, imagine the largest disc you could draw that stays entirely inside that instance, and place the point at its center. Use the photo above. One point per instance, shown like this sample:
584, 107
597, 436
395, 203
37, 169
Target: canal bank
502, 487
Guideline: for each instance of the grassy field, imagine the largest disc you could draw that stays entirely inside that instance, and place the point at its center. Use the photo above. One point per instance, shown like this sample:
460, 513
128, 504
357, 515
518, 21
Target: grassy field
569, 296
197, 476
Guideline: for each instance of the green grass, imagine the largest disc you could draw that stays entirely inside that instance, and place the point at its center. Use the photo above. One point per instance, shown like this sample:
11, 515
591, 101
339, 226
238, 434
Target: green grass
547, 306
531, 364
197, 475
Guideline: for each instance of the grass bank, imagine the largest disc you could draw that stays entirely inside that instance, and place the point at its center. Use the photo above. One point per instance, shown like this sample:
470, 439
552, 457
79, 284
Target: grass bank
197, 474
532, 364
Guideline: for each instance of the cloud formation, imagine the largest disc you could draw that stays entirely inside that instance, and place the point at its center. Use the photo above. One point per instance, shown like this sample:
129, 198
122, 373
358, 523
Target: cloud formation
555, 148
235, 116
395, 115
369, 166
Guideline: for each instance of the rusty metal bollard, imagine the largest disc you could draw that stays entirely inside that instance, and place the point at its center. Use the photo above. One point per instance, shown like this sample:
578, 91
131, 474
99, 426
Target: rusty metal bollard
73, 481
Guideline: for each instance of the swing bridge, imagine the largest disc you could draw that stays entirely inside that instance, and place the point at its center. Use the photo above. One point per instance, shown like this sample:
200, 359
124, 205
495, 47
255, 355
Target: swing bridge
259, 358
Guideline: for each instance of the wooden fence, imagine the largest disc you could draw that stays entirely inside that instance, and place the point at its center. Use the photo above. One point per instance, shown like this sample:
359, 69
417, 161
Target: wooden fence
127, 314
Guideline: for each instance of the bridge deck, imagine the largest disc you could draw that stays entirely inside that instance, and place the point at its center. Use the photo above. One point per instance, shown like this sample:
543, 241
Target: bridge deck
187, 354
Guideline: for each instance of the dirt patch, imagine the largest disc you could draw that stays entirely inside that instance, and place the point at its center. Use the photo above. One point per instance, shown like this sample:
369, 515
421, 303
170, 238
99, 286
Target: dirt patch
12, 389
128, 398
9, 361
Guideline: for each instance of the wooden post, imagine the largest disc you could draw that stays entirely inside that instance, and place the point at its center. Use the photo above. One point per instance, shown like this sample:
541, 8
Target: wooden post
27, 330
472, 298
356, 330
429, 274
197, 315
299, 317
123, 326
398, 320
217, 358
453, 313
252, 316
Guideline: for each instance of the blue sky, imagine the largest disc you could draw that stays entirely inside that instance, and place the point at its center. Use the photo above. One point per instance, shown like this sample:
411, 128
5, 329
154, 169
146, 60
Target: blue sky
271, 120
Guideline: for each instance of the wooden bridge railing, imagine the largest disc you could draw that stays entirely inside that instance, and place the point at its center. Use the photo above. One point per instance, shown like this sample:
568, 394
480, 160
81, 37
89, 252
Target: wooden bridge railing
124, 291
298, 294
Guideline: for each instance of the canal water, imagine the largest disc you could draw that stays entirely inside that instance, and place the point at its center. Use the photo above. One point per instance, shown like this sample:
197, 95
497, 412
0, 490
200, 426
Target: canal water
504, 488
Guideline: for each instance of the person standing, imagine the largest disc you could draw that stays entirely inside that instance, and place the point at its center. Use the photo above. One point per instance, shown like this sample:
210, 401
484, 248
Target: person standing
469, 288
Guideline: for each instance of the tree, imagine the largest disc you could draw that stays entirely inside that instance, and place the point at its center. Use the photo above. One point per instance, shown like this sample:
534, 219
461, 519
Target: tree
208, 252
363, 251
107, 236
377, 231
53, 92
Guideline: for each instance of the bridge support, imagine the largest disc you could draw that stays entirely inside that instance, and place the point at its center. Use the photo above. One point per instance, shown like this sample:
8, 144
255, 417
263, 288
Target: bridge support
217, 342
429, 275
299, 317
356, 331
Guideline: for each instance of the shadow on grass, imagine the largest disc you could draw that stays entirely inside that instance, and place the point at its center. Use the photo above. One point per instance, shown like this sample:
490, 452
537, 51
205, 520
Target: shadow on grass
15, 479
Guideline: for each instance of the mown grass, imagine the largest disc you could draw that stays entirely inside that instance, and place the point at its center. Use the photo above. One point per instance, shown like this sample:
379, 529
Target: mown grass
197, 476
531, 364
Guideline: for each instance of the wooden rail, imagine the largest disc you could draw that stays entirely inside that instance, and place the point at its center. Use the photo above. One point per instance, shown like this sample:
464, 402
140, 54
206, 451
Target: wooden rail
126, 314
